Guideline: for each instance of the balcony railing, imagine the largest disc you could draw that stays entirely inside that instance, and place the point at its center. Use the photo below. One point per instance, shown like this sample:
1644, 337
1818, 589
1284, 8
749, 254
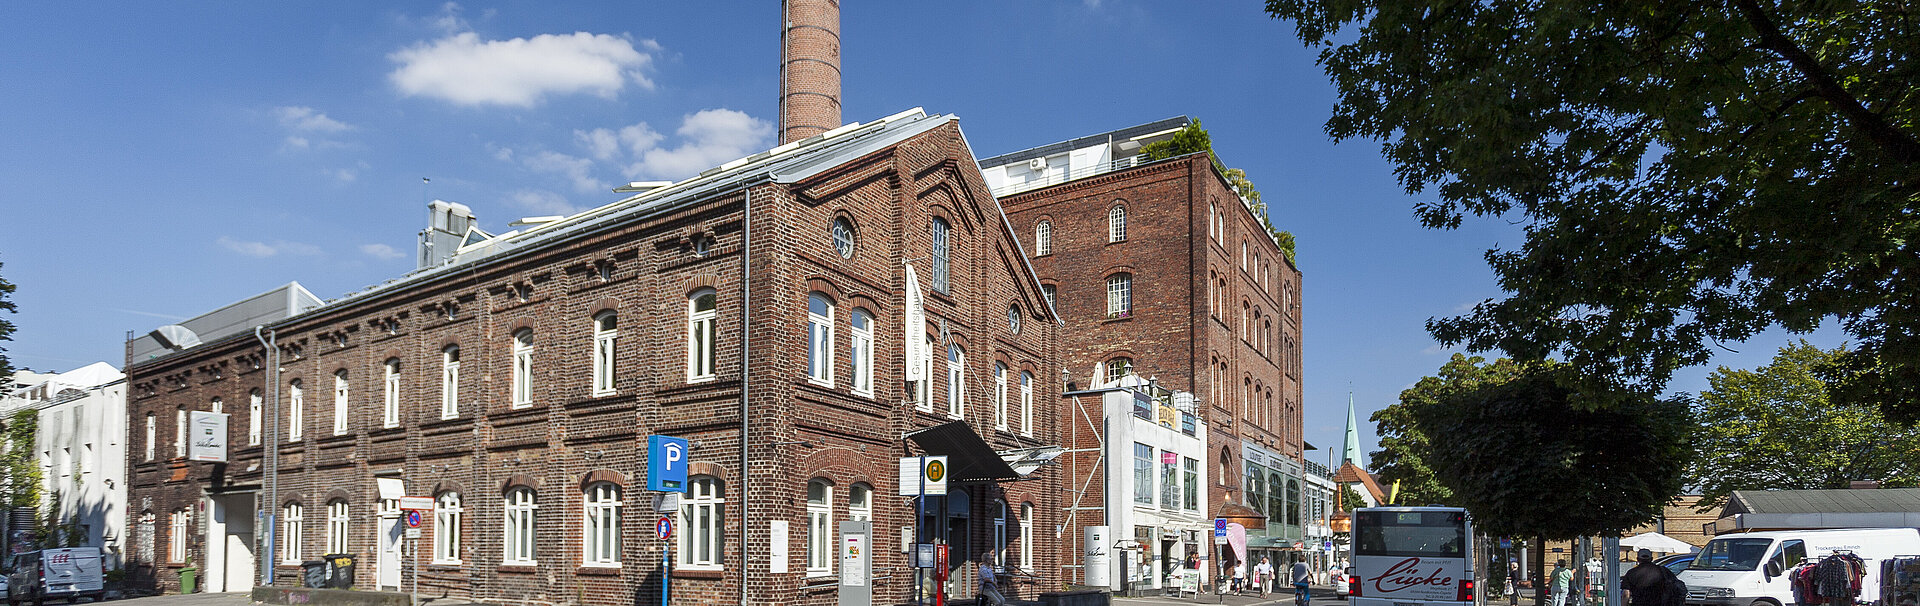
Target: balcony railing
1051, 178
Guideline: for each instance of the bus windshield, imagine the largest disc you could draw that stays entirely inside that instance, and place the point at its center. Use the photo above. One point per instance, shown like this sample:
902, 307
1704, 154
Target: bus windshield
1731, 554
1410, 533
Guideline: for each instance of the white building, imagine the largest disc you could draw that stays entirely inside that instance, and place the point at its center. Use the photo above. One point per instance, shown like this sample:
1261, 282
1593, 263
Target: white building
81, 447
1154, 481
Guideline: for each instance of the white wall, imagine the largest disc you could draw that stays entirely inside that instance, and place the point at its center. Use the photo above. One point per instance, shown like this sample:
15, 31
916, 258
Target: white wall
81, 447
1123, 514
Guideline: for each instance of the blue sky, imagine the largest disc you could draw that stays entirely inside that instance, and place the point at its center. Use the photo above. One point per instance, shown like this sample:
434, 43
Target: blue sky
158, 160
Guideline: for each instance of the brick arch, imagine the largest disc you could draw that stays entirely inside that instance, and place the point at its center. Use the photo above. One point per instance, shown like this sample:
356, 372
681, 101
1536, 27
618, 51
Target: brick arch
703, 280
294, 498
862, 300
449, 341
604, 304
826, 287
1123, 268
706, 468
522, 322
338, 494
603, 475
956, 338
519, 480
449, 485
841, 465
391, 353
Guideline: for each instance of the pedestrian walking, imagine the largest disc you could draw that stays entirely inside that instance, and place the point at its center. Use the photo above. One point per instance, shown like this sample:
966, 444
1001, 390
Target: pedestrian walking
1647, 583
1262, 574
989, 583
1562, 582
1239, 578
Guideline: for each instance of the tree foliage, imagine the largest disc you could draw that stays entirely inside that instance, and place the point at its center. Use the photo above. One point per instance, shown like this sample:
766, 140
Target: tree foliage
6, 326
1405, 449
1529, 456
1688, 172
1191, 139
1774, 427
19, 469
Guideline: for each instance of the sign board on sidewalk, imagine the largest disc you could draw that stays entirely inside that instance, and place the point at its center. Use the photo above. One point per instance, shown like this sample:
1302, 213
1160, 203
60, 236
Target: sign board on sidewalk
207, 440
856, 563
423, 503
933, 470
666, 464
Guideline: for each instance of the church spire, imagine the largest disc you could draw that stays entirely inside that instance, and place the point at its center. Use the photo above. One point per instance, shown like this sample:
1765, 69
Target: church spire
1350, 447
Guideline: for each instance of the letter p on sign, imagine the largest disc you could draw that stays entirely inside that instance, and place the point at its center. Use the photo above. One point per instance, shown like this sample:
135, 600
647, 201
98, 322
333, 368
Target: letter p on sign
666, 464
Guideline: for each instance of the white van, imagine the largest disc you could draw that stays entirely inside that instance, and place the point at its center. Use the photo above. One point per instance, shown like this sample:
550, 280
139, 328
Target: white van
1749, 569
67, 573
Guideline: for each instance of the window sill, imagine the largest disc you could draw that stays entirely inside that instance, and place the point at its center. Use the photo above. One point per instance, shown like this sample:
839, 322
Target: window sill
817, 382
605, 393
1117, 318
705, 379
712, 574
598, 570
442, 565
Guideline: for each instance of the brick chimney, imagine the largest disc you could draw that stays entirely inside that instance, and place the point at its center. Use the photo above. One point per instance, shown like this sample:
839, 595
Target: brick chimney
809, 68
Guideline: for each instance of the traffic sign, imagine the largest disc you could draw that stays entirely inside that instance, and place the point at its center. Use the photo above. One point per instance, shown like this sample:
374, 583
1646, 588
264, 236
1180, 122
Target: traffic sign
1219, 527
413, 518
930, 472
666, 464
663, 528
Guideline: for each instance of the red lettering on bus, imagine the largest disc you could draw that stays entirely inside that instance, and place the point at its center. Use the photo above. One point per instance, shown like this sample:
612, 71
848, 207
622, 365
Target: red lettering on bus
1406, 574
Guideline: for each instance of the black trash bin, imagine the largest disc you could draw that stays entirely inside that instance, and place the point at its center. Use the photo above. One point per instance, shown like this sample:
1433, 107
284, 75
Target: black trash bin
313, 574
339, 570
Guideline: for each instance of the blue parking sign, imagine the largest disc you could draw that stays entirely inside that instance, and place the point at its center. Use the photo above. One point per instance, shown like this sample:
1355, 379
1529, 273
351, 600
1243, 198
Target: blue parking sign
666, 464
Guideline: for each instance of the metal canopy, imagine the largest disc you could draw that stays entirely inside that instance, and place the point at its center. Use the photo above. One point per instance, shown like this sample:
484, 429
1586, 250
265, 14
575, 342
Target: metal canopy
971, 460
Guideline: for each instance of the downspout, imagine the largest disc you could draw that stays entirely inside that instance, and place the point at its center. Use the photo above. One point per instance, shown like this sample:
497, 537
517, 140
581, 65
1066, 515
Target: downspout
273, 452
746, 347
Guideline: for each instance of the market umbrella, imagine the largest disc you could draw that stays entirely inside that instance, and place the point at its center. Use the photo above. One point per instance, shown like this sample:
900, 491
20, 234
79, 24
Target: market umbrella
1657, 542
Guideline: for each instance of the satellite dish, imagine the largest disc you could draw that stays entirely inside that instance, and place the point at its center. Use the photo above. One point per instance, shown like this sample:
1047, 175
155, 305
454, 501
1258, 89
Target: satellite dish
175, 337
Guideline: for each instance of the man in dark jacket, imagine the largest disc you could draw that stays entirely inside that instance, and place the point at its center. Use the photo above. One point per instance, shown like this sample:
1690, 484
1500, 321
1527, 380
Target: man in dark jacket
1646, 584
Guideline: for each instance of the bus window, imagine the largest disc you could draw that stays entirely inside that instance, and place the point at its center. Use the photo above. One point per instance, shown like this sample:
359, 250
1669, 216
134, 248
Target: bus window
1411, 533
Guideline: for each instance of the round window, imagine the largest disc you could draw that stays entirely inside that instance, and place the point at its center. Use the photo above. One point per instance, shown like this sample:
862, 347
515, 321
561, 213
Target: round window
1013, 319
843, 238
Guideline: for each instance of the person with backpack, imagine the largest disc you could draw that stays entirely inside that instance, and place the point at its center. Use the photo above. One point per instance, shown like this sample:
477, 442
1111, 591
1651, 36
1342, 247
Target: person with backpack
1650, 584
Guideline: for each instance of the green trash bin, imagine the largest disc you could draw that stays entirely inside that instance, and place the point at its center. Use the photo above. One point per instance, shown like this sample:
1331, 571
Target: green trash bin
189, 580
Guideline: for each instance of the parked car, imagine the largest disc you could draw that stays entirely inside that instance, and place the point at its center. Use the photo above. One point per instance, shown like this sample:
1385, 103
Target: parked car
67, 573
1676, 562
1343, 582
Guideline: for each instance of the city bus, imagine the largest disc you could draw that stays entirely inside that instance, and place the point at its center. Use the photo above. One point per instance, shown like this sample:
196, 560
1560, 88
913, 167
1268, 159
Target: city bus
1412, 556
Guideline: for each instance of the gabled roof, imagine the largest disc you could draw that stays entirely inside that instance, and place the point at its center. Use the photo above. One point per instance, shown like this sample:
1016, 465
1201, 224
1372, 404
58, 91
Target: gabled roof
1349, 472
1823, 501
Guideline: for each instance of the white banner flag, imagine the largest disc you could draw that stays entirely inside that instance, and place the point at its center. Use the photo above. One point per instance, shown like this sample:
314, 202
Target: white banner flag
916, 329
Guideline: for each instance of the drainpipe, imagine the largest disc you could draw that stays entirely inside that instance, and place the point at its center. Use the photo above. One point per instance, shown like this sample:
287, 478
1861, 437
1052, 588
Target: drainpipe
746, 347
272, 418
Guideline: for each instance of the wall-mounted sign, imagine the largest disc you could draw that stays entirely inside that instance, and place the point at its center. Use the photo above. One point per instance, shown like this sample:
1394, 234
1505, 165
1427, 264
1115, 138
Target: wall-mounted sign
666, 464
916, 472
207, 436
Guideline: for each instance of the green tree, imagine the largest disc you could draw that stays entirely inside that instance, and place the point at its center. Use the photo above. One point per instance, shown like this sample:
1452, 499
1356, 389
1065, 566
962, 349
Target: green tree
19, 471
1774, 427
1191, 139
1688, 172
1529, 456
1404, 447
6, 326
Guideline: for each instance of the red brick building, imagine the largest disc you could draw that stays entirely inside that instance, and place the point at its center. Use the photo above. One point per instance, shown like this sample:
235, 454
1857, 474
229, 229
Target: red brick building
757, 310
1160, 269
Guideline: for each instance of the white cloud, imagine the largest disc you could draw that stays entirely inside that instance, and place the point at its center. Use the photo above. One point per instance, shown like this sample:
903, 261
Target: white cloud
263, 250
577, 170
465, 70
381, 251
708, 138
308, 120
541, 202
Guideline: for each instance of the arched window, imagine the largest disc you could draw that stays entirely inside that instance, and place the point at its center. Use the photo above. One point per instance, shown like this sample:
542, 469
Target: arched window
700, 338
859, 503
339, 405
1117, 369
820, 527
701, 518
1050, 292
523, 368
390, 408
1000, 395
180, 431
292, 521
337, 518
1043, 238
1120, 295
941, 274
861, 353
450, 382
296, 411
1026, 403
956, 380
602, 530
446, 528
517, 543
152, 434
255, 403
1026, 537
924, 390
819, 339
1213, 221
1117, 224
843, 237
606, 334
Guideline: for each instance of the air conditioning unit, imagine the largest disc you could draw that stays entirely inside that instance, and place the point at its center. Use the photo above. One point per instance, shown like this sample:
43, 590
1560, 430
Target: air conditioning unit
1037, 164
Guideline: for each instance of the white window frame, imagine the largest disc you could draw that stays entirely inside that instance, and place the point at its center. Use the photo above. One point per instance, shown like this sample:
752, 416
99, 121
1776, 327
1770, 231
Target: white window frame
340, 397
820, 339
517, 546
942, 274
296, 410
703, 536
153, 434
1026, 403
1043, 238
338, 517
1143, 488
600, 532
924, 391
820, 528
179, 525
860, 503
256, 406
292, 523
700, 337
1120, 295
450, 382
179, 431
1026, 537
999, 541
1117, 223
522, 368
390, 409
1052, 295
956, 380
446, 528
217, 405
1000, 395
606, 338
860, 351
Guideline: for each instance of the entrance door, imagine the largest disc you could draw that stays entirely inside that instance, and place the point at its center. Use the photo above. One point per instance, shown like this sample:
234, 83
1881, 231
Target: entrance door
387, 569
230, 565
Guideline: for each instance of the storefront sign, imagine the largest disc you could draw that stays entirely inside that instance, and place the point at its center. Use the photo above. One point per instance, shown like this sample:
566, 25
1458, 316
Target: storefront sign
1097, 559
207, 440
